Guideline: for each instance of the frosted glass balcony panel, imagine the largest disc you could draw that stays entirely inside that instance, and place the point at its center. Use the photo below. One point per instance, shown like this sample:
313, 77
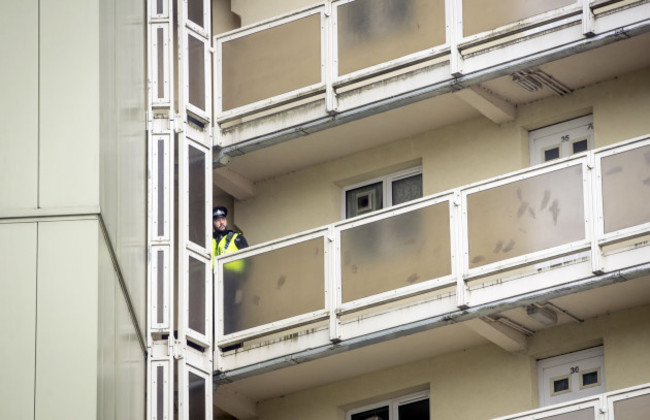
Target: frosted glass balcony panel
271, 62
626, 189
197, 199
196, 292
526, 216
635, 408
196, 70
396, 252
371, 32
276, 285
484, 15
585, 414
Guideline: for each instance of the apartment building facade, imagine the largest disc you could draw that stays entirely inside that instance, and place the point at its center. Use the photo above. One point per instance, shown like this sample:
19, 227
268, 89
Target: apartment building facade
446, 201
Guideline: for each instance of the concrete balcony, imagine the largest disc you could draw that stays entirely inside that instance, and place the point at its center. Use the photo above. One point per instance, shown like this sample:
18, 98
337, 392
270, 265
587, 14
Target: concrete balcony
312, 72
552, 235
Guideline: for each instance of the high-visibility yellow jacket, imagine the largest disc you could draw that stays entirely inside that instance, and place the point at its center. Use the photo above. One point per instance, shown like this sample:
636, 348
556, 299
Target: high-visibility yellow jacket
224, 246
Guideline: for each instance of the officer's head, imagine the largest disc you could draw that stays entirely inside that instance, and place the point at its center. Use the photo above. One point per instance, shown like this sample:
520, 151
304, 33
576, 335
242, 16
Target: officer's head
219, 221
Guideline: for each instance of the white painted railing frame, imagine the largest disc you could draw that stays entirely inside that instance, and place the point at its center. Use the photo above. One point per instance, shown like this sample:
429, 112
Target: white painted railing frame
334, 309
453, 52
261, 330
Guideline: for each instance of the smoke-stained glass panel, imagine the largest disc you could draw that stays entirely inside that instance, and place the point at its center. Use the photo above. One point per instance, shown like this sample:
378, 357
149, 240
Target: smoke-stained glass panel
626, 189
271, 62
396, 252
372, 32
484, 15
275, 285
526, 216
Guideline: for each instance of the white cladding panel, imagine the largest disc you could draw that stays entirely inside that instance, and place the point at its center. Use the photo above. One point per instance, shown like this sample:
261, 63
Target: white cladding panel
67, 329
19, 104
17, 319
69, 103
123, 177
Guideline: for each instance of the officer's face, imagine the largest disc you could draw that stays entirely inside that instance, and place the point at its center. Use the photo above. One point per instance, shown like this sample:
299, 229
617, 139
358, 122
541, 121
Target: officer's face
220, 224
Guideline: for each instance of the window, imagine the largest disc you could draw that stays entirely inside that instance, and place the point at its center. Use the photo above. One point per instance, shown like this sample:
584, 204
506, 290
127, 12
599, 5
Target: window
386, 191
571, 376
561, 140
410, 407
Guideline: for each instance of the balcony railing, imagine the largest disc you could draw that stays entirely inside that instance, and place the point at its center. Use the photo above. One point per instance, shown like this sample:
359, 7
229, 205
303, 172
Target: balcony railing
346, 54
624, 404
537, 228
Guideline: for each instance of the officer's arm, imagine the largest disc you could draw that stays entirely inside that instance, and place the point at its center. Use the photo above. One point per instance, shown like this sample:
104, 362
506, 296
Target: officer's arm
241, 242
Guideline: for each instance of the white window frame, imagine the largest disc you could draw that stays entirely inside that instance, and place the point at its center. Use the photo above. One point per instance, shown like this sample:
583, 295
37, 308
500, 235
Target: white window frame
571, 366
392, 404
386, 180
563, 135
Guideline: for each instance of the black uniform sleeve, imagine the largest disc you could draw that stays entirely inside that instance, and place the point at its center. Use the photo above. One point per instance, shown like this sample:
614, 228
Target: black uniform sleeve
241, 242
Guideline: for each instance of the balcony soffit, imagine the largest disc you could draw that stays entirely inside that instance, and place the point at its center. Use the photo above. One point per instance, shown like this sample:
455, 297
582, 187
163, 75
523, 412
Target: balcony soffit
576, 72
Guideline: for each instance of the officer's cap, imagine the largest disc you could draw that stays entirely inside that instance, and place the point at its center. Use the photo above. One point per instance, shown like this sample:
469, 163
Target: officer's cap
219, 211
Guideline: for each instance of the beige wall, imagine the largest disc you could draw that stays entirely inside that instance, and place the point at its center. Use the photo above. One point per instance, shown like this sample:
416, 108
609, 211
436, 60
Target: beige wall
451, 157
253, 11
497, 382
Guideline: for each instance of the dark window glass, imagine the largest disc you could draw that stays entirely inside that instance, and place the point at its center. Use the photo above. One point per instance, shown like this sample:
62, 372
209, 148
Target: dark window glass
580, 146
561, 385
551, 154
363, 199
374, 414
590, 378
407, 189
197, 207
418, 410
197, 397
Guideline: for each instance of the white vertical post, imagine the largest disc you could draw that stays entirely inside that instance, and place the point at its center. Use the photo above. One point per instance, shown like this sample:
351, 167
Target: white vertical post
457, 215
454, 26
328, 45
596, 226
160, 211
333, 278
587, 19
194, 134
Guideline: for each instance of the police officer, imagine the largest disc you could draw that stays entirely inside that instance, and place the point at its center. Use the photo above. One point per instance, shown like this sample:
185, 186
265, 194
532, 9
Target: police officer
224, 240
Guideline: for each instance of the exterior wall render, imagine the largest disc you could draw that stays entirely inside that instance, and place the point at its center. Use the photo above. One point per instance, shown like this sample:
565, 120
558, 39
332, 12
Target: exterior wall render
452, 156
473, 373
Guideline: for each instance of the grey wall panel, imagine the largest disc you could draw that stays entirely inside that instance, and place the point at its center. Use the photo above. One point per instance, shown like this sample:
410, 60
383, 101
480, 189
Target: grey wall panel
130, 366
123, 141
108, 285
67, 324
19, 104
69, 103
17, 319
